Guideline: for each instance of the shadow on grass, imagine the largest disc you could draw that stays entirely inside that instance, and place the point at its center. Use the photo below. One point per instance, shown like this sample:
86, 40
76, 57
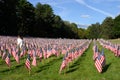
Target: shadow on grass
12, 68
106, 67
76, 64
19, 65
12, 60
6, 70
44, 67
72, 70
48, 64
74, 67
2, 62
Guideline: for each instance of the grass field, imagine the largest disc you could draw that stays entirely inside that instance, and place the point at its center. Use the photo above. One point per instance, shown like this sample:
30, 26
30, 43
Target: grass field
115, 41
81, 69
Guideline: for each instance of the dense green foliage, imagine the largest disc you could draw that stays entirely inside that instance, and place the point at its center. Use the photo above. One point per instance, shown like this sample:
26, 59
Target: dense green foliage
21, 17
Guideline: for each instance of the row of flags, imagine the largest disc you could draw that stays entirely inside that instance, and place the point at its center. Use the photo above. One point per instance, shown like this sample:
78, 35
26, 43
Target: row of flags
99, 58
115, 48
73, 54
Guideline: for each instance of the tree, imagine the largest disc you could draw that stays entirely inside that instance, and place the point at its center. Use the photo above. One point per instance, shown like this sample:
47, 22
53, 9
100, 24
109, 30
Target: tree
93, 31
107, 28
57, 26
116, 29
25, 17
44, 18
74, 29
81, 33
8, 17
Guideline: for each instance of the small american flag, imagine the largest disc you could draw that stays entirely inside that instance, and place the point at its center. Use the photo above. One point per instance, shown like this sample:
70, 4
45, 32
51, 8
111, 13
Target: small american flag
64, 63
17, 58
7, 60
98, 64
96, 53
27, 63
103, 60
34, 63
4, 55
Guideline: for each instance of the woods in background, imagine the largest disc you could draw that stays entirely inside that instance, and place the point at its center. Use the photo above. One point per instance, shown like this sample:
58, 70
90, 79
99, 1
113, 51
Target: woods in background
21, 17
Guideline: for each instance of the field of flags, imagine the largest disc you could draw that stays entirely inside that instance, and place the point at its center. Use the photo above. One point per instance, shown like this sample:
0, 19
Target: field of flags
58, 59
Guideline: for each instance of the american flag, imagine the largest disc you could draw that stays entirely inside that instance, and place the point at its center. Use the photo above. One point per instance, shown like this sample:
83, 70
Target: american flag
27, 63
64, 50
14, 52
7, 60
21, 53
40, 54
118, 51
103, 60
17, 58
0, 53
34, 63
64, 63
96, 53
4, 55
49, 51
45, 52
98, 64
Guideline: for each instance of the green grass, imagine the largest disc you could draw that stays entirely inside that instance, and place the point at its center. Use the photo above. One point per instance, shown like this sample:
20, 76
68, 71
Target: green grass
115, 41
80, 69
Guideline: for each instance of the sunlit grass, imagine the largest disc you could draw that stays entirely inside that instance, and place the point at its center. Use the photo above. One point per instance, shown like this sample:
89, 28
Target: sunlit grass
115, 41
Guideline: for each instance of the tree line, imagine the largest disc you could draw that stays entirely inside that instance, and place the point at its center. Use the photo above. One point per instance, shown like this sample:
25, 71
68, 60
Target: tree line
21, 17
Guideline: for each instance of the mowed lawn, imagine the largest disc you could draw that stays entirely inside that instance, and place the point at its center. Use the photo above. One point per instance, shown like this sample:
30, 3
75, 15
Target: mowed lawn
82, 68
115, 41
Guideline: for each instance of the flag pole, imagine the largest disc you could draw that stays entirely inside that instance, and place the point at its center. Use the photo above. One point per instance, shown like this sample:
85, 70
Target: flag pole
9, 67
64, 72
59, 72
29, 71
